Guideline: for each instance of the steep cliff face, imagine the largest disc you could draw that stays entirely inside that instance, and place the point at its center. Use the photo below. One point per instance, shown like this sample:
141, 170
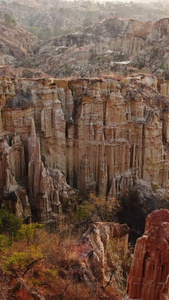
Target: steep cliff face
148, 278
97, 135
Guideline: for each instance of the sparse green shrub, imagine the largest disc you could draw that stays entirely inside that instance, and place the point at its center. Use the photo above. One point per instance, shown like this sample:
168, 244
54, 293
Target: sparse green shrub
96, 209
29, 231
162, 67
4, 242
9, 20
155, 187
45, 34
85, 211
20, 262
34, 30
9, 224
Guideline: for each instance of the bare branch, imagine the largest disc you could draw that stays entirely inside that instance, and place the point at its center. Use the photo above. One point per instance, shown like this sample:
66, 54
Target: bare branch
30, 266
110, 280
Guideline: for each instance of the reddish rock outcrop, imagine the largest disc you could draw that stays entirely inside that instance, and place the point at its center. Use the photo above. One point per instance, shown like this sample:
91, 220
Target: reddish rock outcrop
148, 278
165, 290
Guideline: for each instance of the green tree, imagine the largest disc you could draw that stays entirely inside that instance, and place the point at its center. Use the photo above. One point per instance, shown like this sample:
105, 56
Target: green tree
96, 209
19, 263
29, 231
4, 242
85, 211
9, 223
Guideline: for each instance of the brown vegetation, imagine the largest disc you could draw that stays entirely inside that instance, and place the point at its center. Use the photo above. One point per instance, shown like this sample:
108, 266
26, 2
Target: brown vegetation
37, 263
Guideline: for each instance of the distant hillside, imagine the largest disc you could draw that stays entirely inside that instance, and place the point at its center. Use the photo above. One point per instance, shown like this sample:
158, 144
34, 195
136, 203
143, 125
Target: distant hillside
16, 44
121, 45
112, 45
53, 18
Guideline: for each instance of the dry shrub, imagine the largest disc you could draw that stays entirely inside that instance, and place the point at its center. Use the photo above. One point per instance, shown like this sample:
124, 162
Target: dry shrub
53, 268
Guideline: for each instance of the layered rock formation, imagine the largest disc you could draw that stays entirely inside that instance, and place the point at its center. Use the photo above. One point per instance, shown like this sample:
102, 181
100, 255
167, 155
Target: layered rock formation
148, 278
95, 135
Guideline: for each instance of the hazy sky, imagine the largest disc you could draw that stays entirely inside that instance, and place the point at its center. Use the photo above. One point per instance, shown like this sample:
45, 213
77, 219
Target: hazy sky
141, 1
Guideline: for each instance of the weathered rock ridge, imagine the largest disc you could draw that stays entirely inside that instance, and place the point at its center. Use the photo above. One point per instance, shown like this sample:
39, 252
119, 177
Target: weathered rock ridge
93, 249
94, 135
111, 45
95, 50
148, 278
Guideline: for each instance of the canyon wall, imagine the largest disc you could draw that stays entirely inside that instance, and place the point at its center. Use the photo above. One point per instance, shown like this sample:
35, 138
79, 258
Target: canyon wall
93, 135
148, 278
